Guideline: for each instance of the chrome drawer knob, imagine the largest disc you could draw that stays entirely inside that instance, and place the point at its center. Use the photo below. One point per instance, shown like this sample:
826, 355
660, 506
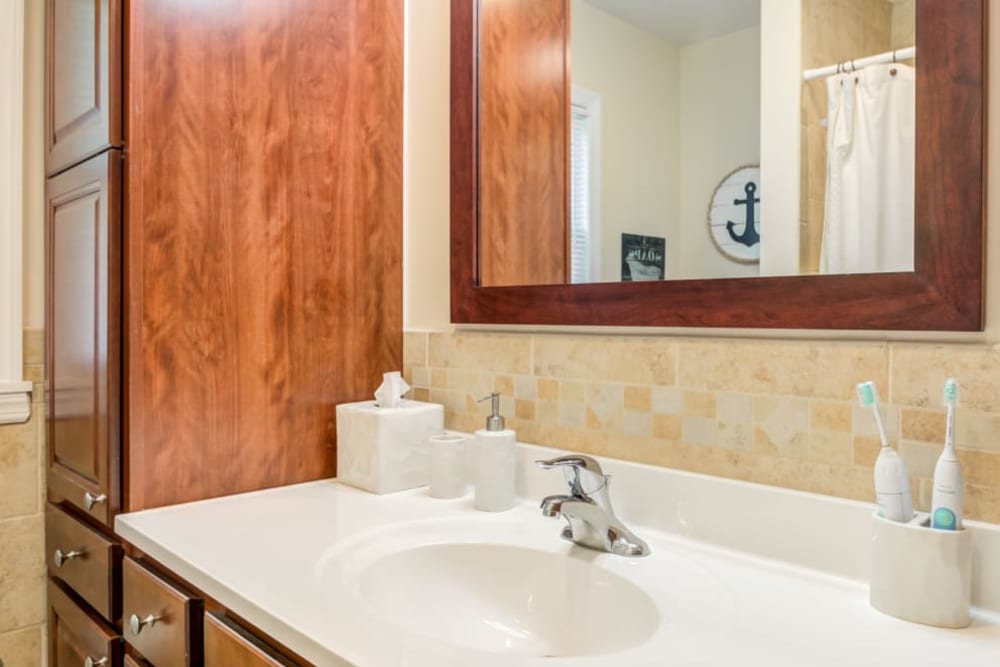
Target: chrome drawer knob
89, 500
136, 624
62, 557
95, 662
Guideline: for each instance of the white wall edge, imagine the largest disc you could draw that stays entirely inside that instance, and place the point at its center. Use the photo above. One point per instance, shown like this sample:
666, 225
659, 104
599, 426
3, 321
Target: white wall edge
11, 199
15, 405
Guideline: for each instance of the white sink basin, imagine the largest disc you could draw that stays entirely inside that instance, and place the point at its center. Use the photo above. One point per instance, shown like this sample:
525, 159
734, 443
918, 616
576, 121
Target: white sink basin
506, 585
502, 598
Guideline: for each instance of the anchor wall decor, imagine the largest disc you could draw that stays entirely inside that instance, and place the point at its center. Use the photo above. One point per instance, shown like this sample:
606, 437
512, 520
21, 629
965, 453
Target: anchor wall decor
734, 215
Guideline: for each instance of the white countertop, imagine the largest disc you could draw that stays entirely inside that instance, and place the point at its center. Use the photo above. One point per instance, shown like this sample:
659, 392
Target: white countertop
262, 556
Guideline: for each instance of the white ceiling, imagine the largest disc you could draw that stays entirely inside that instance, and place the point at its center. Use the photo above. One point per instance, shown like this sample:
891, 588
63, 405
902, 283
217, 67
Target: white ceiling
685, 21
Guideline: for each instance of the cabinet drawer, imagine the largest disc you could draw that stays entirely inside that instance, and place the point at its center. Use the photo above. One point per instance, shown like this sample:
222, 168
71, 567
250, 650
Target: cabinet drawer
160, 621
85, 560
83, 80
134, 662
75, 635
227, 645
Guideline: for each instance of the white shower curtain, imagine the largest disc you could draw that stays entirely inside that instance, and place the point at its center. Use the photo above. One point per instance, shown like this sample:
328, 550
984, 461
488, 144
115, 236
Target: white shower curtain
868, 223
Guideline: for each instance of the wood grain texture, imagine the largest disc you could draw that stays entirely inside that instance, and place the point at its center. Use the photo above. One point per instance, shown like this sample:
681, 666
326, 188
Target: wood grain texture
175, 639
76, 634
96, 574
83, 80
523, 140
227, 646
264, 242
945, 293
83, 320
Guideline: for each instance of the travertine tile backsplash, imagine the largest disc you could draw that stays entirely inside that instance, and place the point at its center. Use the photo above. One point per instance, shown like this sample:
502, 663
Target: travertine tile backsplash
776, 412
22, 525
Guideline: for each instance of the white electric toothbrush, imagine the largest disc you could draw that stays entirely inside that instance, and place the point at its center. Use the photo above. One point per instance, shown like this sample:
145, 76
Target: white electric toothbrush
946, 500
892, 481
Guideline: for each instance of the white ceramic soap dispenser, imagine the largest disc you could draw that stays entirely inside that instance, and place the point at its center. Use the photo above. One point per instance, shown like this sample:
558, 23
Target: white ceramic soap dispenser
494, 462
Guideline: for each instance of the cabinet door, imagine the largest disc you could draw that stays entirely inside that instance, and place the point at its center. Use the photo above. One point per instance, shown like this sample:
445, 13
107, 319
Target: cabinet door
83, 304
83, 80
76, 636
229, 646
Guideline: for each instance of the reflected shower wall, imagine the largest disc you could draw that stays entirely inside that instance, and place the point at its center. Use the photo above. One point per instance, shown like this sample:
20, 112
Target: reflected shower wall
835, 31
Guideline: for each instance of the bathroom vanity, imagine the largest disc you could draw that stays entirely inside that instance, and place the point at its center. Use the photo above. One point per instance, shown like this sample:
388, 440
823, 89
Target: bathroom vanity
739, 574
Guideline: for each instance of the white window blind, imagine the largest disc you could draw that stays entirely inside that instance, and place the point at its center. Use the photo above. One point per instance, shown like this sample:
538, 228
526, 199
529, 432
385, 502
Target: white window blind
584, 186
579, 188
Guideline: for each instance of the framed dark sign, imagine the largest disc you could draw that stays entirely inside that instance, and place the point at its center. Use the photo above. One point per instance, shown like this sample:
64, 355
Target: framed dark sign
643, 257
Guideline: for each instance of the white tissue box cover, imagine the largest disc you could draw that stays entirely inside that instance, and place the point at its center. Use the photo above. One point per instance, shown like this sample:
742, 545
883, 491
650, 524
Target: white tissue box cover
384, 450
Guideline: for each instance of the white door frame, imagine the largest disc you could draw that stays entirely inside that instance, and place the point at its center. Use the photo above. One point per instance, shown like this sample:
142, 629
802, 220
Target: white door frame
14, 404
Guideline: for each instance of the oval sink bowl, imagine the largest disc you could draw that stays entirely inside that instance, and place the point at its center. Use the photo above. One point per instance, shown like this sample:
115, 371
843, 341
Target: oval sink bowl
509, 599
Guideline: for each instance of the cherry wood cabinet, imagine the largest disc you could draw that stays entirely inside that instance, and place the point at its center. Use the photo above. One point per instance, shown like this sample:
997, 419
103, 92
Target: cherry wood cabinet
162, 622
524, 142
83, 80
228, 645
76, 635
85, 560
83, 282
213, 296
223, 267
264, 219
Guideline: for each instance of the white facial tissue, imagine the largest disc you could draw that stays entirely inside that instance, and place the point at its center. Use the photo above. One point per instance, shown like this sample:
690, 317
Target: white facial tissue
390, 392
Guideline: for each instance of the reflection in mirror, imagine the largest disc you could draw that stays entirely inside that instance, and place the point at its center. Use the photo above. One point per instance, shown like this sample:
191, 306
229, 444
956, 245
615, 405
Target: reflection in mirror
622, 140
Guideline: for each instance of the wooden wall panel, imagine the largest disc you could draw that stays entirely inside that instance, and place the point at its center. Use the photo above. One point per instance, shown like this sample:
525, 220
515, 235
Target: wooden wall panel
264, 239
524, 116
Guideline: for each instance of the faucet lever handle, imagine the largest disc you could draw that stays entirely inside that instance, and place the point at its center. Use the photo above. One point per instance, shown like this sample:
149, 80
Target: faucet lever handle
583, 473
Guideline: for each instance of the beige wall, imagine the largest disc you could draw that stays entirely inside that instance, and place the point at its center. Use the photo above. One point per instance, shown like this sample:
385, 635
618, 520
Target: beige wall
34, 169
637, 75
22, 463
720, 131
426, 184
775, 410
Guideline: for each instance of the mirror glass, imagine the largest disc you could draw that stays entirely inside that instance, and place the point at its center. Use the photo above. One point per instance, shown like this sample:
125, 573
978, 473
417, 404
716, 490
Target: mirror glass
625, 140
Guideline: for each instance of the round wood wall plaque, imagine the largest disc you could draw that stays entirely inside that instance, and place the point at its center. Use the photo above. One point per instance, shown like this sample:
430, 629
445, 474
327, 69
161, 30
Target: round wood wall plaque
734, 215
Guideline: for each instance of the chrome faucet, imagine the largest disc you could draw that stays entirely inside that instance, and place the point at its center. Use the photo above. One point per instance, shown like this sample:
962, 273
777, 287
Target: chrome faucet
587, 508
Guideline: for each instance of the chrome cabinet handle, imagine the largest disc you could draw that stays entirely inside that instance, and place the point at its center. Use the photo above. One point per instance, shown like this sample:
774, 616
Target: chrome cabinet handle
136, 624
95, 662
89, 500
62, 557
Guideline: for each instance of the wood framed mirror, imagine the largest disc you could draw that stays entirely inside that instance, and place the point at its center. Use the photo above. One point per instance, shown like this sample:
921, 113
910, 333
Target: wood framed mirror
943, 293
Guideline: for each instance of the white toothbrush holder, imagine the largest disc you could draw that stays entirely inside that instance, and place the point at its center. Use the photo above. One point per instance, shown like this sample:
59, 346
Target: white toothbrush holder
921, 574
